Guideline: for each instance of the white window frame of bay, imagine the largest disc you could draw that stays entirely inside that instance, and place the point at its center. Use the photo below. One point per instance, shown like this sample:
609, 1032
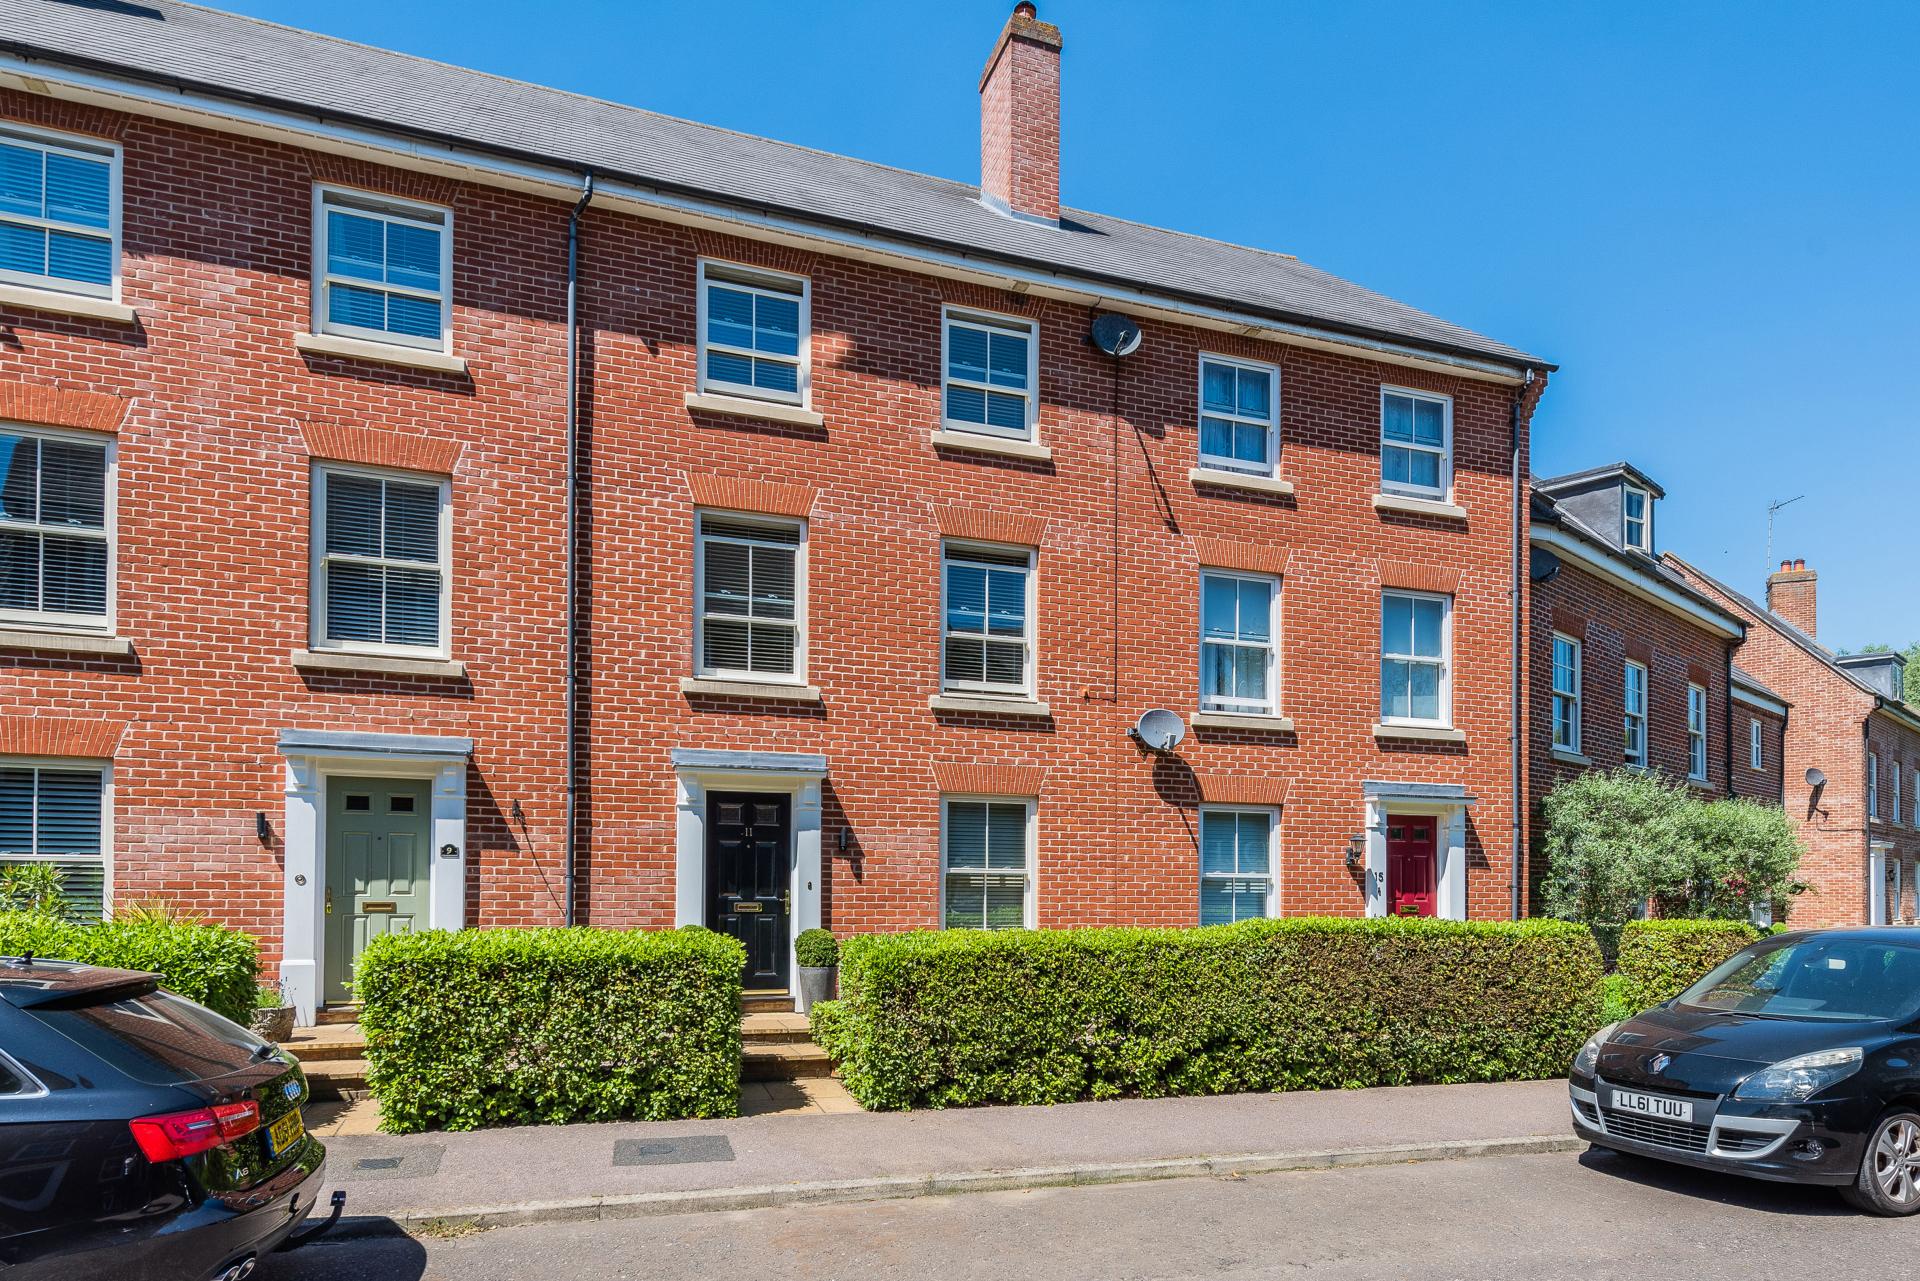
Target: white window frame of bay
756, 282
992, 556
780, 534
96, 151
101, 624
1029, 869
1444, 660
320, 557
104, 858
1269, 703
1270, 877
990, 323
388, 212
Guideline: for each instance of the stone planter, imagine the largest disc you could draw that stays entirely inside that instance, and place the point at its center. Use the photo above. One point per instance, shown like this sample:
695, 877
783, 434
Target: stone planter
273, 1023
816, 985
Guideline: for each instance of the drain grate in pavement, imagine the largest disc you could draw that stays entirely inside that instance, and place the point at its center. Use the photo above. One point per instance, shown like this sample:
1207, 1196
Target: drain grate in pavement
415, 1162
685, 1150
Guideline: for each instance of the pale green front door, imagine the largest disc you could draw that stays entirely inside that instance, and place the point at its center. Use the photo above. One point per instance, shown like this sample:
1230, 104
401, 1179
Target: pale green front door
377, 860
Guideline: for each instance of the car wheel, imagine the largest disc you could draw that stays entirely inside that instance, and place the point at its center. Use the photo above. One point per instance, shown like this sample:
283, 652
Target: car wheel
1889, 1178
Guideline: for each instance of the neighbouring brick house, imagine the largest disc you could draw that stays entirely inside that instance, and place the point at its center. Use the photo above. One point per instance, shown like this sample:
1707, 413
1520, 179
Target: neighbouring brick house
1629, 664
1852, 753
877, 556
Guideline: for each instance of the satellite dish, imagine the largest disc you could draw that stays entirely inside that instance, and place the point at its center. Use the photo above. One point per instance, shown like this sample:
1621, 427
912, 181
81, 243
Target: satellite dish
1117, 335
1816, 780
1158, 730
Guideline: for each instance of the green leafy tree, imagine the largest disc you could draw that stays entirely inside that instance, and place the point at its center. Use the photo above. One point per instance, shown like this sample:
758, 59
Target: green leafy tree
31, 887
1746, 853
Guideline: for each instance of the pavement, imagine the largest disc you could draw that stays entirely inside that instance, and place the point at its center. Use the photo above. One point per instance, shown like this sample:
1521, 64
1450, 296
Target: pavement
576, 1173
1574, 1216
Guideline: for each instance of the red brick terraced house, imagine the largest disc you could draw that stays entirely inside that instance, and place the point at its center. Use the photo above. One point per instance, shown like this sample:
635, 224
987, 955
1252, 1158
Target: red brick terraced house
1851, 756
1631, 665
877, 510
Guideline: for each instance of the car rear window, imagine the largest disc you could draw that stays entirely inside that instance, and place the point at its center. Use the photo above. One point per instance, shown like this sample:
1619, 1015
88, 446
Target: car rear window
1844, 979
157, 1039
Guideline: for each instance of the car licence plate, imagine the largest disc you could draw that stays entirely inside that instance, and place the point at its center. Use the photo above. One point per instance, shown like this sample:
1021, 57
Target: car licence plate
285, 1132
1654, 1105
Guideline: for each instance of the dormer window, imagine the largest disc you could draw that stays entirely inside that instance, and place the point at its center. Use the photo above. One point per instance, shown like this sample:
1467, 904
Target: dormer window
1636, 519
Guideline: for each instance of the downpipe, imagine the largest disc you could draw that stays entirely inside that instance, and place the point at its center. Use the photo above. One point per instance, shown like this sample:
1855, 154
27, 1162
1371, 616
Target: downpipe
1519, 745
570, 682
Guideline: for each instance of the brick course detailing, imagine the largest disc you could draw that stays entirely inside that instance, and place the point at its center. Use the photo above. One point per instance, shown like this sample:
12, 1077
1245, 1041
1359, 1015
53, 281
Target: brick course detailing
971, 777
1414, 577
1254, 558
1219, 788
1020, 118
734, 494
87, 738
1834, 723
374, 447
990, 525
60, 407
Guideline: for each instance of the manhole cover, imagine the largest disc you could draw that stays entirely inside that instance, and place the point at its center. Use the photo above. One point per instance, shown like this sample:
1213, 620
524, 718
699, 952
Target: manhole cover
377, 1163
681, 1151
416, 1161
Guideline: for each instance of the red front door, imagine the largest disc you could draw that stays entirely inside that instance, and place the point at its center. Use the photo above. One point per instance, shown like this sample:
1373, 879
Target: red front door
1413, 865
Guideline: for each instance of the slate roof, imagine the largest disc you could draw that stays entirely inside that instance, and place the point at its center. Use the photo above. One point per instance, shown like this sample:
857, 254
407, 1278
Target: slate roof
1746, 679
241, 58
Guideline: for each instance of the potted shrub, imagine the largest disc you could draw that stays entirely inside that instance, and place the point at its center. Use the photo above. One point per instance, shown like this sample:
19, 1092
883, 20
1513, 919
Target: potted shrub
818, 956
272, 1015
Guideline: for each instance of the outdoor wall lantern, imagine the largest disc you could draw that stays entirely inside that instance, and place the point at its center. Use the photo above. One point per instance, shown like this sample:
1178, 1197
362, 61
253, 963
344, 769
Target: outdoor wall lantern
1356, 850
261, 829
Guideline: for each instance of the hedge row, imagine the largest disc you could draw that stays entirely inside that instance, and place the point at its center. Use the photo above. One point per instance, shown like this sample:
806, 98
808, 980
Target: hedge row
505, 1027
218, 967
966, 1017
1661, 959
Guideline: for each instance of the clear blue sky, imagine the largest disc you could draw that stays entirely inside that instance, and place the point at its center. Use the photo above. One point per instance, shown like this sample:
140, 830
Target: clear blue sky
1707, 214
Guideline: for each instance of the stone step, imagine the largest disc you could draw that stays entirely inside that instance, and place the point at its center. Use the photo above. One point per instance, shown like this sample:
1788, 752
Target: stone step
766, 1002
337, 1079
776, 1027
327, 1042
333, 1014
781, 1061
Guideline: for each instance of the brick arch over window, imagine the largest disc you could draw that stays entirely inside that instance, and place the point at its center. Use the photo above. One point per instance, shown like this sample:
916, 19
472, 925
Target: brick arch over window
67, 117
61, 407
365, 176
754, 253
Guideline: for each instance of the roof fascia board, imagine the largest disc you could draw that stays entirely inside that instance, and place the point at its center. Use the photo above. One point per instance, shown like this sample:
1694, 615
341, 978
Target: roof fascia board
1754, 698
186, 105
1648, 589
1897, 711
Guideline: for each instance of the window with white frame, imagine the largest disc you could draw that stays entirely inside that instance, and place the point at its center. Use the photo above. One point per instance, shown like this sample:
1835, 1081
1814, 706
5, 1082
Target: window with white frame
753, 333
1636, 518
382, 562
1566, 693
59, 213
1916, 801
55, 814
1893, 802
1696, 733
1756, 748
751, 580
1873, 786
1239, 415
1634, 723
986, 856
383, 268
988, 619
1239, 620
56, 529
1416, 431
1236, 865
989, 374
1414, 658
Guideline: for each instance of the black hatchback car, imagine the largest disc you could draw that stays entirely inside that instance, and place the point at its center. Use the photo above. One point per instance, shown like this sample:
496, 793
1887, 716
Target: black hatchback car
1798, 1060
141, 1135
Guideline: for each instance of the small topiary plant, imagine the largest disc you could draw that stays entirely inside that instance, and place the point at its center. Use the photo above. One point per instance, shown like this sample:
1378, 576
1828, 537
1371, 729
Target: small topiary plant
816, 949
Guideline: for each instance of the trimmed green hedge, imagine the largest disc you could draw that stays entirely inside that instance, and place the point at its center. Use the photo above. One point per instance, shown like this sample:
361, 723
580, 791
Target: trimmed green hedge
513, 1027
1047, 1016
216, 966
1661, 959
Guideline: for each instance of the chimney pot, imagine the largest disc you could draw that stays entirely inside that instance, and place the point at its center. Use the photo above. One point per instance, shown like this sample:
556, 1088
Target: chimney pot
1020, 119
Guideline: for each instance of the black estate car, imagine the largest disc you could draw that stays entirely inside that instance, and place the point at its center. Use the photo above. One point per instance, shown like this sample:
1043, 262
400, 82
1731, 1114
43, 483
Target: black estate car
141, 1135
1798, 1060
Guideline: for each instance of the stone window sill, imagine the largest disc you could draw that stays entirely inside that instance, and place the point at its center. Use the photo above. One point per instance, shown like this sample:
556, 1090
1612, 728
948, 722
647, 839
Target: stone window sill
706, 687
1419, 733
986, 703
379, 352
1408, 505
328, 660
65, 304
1004, 446
1242, 720
1220, 478
65, 643
746, 407
1562, 755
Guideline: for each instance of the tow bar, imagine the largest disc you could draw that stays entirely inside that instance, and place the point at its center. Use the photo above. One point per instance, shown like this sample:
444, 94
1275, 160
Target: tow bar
298, 1239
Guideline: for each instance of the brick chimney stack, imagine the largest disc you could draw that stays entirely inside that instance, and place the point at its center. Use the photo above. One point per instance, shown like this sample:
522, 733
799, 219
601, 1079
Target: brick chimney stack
1790, 594
1020, 119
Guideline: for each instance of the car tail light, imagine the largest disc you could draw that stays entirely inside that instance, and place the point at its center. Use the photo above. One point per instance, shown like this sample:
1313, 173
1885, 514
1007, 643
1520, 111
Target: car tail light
181, 1134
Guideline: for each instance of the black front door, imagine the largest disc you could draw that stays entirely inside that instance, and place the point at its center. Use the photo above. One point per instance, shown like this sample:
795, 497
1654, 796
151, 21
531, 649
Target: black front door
749, 837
